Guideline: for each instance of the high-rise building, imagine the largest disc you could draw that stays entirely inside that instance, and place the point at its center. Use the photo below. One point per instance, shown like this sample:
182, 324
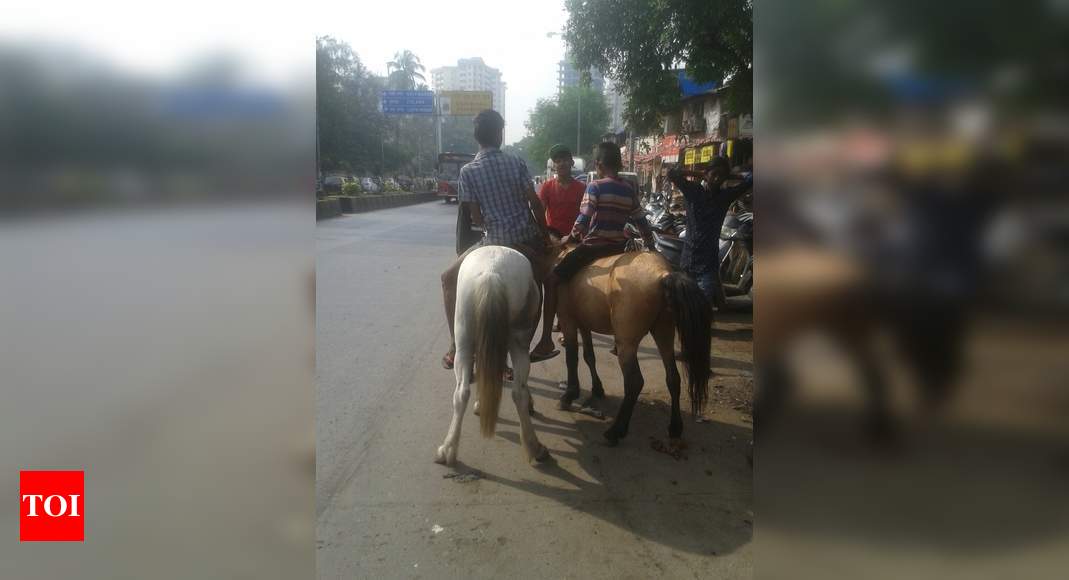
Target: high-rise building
616, 102
471, 74
568, 76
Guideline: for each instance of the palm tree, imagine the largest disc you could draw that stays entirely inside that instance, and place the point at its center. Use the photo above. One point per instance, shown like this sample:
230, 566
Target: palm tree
405, 69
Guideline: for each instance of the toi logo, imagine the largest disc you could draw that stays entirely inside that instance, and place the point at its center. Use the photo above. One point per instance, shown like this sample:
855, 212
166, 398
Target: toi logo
51, 506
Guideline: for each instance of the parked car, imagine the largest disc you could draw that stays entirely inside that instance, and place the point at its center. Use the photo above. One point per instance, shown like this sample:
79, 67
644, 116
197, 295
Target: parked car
368, 184
333, 183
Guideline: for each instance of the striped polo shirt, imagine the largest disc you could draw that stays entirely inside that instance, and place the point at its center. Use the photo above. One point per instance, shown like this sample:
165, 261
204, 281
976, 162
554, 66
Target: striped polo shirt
607, 206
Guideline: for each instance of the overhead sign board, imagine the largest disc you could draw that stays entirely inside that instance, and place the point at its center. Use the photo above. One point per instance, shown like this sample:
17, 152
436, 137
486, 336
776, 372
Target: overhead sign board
689, 158
465, 103
407, 102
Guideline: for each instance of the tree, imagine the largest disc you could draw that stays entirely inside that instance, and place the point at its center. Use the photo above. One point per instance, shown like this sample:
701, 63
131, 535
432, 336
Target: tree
349, 122
458, 135
554, 121
640, 43
522, 149
404, 70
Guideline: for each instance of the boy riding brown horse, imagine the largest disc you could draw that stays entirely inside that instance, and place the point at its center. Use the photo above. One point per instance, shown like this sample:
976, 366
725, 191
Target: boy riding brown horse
627, 295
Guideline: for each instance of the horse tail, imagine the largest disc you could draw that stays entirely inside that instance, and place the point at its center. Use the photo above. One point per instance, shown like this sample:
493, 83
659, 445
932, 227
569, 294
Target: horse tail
694, 321
491, 348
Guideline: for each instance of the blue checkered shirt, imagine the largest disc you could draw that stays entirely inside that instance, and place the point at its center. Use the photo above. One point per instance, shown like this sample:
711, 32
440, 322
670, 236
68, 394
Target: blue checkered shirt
499, 183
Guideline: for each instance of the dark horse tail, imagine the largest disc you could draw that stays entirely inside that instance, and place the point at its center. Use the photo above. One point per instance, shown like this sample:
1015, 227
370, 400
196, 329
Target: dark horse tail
694, 321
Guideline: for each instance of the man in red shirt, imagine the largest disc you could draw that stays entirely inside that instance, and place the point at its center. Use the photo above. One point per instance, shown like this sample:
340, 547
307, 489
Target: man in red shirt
561, 197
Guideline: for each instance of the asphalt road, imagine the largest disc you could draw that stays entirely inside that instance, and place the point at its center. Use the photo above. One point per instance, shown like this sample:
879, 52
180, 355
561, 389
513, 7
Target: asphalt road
386, 510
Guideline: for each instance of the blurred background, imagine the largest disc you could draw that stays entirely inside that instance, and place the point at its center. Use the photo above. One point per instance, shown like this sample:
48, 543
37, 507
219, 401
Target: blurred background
913, 289
156, 222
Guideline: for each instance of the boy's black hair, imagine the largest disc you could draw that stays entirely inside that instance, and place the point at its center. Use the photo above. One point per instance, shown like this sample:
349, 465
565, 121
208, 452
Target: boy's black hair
488, 127
607, 153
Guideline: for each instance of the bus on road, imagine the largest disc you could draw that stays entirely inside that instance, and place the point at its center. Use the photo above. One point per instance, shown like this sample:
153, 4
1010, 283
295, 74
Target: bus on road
448, 171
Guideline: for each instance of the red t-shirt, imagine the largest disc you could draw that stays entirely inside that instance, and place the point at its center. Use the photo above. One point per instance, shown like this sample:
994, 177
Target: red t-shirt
562, 203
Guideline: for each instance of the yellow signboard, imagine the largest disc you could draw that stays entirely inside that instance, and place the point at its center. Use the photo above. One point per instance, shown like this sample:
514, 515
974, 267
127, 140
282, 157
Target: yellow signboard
465, 103
707, 153
689, 159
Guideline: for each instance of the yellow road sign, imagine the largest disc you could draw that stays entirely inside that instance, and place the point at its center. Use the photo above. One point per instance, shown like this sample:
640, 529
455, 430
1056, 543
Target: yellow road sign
465, 103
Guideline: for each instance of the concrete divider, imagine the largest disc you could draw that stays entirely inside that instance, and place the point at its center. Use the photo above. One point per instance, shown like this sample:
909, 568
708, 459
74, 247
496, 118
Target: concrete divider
358, 204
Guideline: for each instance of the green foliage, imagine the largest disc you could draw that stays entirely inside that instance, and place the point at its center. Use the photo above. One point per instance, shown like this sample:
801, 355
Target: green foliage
458, 135
353, 135
554, 121
351, 188
639, 42
522, 149
349, 122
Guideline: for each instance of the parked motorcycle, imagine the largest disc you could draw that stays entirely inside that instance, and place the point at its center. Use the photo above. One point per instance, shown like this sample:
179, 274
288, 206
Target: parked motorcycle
736, 251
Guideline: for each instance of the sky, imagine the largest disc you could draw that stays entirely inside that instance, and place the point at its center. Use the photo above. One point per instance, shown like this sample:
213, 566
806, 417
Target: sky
277, 40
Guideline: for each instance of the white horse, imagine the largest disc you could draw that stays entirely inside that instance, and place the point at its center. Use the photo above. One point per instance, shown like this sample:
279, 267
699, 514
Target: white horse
498, 303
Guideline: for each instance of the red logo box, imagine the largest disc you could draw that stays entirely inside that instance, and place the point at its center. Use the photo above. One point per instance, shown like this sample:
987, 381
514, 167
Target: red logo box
52, 506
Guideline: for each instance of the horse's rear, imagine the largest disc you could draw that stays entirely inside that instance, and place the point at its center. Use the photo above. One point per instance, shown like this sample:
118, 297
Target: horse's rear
629, 296
497, 310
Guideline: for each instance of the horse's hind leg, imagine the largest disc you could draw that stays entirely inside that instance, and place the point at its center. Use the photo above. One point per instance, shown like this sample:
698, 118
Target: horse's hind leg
521, 395
447, 453
627, 350
664, 335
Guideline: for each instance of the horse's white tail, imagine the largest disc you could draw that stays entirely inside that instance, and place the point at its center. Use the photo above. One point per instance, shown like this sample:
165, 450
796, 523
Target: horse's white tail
491, 348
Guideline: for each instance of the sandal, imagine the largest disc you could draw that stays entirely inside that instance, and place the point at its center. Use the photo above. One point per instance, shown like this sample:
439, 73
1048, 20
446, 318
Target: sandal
541, 356
447, 361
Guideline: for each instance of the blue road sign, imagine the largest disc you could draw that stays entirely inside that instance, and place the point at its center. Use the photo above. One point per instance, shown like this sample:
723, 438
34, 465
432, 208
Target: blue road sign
408, 102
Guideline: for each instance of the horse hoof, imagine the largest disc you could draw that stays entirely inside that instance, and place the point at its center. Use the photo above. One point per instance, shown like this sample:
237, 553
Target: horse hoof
597, 394
611, 438
564, 405
543, 454
445, 455
475, 408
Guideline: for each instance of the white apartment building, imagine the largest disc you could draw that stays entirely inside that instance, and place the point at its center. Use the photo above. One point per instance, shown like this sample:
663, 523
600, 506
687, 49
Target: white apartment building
471, 74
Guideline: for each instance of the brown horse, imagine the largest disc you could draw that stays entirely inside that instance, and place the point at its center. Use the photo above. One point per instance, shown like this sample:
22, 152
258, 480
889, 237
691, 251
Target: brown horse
629, 296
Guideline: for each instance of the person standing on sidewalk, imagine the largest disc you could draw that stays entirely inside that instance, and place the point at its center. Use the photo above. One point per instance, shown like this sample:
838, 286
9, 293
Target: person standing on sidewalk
707, 205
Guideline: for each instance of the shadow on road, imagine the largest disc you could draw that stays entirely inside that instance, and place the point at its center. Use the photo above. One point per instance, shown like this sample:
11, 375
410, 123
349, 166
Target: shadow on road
700, 504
